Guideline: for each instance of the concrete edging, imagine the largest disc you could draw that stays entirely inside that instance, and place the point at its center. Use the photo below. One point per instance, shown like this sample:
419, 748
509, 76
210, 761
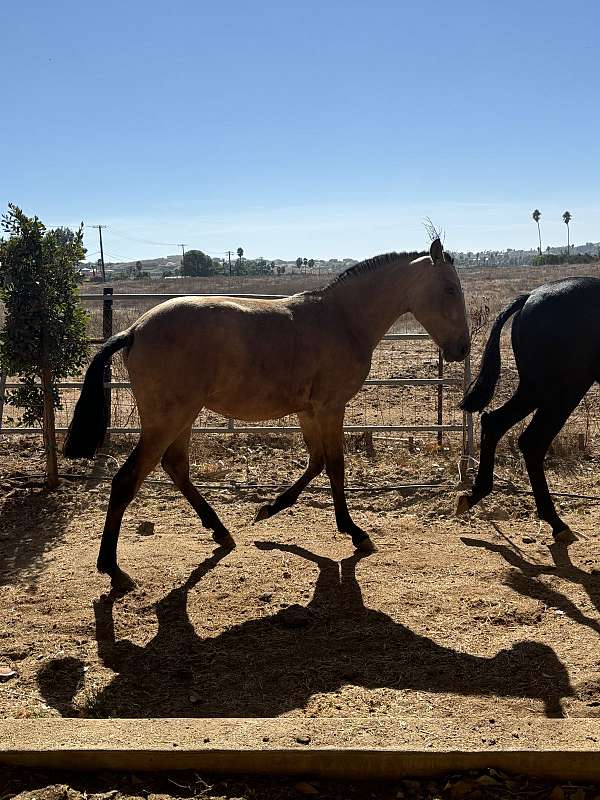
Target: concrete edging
325, 748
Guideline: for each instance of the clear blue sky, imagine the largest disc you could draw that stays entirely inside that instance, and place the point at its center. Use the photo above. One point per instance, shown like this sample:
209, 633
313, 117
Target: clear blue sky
318, 128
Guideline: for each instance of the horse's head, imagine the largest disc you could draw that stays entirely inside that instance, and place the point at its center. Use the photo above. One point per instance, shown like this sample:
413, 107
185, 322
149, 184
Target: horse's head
438, 303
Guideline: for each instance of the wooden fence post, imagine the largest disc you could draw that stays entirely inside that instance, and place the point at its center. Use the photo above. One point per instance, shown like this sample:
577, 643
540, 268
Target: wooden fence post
468, 444
107, 332
49, 430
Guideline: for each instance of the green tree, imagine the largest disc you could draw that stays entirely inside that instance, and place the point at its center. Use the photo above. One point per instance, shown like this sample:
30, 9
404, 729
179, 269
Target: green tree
567, 219
299, 264
240, 260
311, 263
536, 218
138, 269
196, 264
44, 335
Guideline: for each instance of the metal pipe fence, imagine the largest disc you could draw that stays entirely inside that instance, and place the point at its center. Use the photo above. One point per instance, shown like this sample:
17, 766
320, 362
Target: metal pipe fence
440, 426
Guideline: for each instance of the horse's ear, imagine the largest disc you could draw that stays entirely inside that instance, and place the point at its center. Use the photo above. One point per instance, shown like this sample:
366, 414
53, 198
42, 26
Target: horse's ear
436, 251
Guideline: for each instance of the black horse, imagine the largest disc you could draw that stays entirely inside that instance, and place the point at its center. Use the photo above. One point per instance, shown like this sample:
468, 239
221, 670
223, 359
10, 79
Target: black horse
556, 342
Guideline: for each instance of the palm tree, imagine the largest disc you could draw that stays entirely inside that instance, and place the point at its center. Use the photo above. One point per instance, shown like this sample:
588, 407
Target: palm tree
566, 219
299, 264
240, 255
536, 218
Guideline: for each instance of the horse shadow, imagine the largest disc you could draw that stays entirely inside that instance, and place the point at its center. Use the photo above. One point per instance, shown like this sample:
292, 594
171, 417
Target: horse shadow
525, 580
274, 664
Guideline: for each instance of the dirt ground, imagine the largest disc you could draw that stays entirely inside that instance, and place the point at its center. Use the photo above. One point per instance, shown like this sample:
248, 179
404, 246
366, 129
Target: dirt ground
481, 616
489, 785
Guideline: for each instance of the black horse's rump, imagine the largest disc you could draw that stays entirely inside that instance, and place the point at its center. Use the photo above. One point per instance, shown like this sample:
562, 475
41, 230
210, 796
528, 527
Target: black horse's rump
556, 344
90, 419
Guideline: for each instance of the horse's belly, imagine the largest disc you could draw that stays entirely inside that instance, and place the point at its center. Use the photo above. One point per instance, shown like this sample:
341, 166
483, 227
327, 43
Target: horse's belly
250, 411
254, 401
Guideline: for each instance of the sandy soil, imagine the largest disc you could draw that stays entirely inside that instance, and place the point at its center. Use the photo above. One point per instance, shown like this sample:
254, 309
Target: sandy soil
475, 616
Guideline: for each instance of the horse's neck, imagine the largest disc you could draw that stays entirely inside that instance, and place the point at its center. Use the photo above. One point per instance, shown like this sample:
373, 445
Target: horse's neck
373, 301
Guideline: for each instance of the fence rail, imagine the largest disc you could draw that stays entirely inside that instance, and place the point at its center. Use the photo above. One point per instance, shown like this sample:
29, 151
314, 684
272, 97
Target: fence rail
108, 298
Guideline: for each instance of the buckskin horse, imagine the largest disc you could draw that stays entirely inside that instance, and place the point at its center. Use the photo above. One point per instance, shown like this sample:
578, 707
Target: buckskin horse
252, 359
556, 344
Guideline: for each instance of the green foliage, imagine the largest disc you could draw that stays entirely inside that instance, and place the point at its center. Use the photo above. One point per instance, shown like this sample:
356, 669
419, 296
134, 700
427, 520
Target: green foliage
197, 264
45, 326
559, 258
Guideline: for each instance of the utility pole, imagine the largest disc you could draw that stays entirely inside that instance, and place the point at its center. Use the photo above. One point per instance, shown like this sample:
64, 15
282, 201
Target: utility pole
182, 256
101, 250
229, 257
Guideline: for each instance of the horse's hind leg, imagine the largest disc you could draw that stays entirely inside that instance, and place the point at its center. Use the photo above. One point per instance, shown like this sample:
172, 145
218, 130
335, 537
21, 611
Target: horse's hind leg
494, 424
125, 484
176, 463
534, 443
316, 462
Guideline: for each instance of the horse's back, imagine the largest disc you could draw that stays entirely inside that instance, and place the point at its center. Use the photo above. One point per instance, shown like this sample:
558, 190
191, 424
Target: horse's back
556, 335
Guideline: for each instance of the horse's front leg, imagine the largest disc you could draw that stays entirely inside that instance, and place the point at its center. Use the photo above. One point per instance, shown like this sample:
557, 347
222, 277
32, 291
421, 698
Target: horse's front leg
332, 435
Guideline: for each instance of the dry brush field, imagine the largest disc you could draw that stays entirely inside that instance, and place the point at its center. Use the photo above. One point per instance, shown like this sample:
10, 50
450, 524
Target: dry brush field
474, 616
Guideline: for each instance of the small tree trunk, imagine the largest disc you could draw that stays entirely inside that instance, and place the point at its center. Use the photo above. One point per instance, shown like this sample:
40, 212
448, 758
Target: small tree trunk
49, 431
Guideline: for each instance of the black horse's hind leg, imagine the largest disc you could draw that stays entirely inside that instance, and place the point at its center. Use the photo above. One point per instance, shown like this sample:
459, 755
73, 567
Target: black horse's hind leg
316, 462
176, 463
534, 443
494, 424
125, 484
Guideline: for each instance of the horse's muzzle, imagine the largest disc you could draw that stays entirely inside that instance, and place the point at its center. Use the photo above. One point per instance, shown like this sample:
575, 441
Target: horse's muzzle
458, 353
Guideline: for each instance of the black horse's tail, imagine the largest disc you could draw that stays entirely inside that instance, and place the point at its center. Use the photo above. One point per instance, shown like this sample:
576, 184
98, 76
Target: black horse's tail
481, 390
90, 419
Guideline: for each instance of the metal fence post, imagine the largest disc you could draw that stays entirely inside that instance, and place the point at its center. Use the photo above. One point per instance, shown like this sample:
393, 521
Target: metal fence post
468, 443
440, 397
107, 332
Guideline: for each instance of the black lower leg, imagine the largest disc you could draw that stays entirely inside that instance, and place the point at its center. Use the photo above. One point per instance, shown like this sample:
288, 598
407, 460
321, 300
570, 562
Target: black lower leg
494, 425
534, 443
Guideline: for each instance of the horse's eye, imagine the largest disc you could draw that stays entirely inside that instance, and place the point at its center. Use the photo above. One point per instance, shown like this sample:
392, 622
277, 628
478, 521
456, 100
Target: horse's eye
450, 290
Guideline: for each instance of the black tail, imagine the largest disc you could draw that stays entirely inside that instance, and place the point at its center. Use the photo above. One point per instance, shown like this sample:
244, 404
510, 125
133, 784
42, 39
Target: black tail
88, 426
481, 390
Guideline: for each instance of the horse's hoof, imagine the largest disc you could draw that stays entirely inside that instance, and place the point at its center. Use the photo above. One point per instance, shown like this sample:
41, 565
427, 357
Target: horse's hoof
228, 542
121, 582
365, 546
264, 512
564, 536
463, 504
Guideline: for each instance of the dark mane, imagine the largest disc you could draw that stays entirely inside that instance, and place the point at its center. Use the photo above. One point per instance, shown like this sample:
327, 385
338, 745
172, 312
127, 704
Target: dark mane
370, 264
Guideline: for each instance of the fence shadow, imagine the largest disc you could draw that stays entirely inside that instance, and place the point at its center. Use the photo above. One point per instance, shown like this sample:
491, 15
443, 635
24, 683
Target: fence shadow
524, 580
31, 522
271, 665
